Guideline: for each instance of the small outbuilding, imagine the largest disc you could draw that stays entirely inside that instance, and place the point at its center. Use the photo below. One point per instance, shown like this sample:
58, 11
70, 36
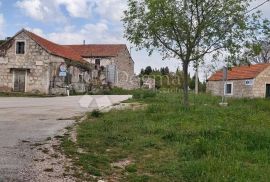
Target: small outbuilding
252, 81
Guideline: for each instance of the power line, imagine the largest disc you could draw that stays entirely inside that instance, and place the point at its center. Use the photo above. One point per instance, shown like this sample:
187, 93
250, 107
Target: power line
257, 6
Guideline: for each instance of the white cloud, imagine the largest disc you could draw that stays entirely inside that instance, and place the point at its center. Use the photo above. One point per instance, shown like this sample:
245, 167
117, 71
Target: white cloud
35, 9
2, 24
36, 31
52, 10
111, 9
78, 8
92, 33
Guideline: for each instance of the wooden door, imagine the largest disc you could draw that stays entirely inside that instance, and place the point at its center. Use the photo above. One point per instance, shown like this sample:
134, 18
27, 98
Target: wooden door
19, 81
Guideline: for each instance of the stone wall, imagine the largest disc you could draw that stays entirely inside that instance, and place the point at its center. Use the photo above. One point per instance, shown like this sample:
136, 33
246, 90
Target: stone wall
35, 61
215, 87
42, 69
59, 84
259, 89
103, 61
125, 69
239, 89
149, 83
126, 77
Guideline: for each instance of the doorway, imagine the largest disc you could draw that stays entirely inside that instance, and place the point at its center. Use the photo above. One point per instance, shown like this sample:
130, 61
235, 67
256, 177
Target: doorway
267, 90
19, 80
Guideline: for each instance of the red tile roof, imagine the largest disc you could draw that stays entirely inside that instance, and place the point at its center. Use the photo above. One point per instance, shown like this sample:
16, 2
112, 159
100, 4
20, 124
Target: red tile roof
240, 73
56, 49
76, 52
98, 50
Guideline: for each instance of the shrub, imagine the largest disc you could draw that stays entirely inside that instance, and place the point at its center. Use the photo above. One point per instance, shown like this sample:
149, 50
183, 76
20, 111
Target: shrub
96, 113
143, 94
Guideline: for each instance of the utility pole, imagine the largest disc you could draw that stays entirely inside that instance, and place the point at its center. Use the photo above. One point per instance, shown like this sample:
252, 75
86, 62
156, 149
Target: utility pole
225, 77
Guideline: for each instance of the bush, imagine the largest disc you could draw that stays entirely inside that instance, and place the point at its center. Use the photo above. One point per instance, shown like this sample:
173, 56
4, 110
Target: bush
137, 94
96, 113
143, 94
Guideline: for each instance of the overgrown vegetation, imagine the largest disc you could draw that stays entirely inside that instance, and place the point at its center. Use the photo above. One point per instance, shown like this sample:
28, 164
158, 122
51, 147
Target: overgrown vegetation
137, 94
168, 142
165, 79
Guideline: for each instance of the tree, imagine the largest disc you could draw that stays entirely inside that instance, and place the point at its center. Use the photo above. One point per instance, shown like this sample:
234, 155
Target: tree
262, 54
142, 72
148, 70
166, 70
189, 29
162, 71
192, 83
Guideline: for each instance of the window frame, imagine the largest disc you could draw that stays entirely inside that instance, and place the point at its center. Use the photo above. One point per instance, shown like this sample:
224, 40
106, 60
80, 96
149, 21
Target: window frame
16, 44
251, 82
225, 88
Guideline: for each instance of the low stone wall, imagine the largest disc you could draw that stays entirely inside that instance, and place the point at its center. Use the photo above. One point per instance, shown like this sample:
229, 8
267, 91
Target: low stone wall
79, 87
133, 83
58, 91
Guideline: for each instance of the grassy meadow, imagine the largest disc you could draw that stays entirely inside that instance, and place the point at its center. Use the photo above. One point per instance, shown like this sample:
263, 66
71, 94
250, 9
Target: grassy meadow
166, 142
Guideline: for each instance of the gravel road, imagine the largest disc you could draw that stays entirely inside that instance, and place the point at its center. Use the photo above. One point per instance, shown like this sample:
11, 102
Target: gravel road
25, 120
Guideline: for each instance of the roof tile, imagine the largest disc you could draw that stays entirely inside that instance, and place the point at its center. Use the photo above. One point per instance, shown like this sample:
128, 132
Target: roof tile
56, 49
98, 50
240, 73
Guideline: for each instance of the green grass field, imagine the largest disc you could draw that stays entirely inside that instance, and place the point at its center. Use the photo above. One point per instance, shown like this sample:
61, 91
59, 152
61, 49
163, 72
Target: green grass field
167, 142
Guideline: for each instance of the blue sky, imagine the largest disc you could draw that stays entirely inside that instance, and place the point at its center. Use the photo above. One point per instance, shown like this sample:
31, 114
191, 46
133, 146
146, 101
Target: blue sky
72, 21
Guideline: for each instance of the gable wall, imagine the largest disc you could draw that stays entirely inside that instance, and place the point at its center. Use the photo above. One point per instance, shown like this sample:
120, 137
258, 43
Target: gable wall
36, 60
261, 80
125, 69
126, 76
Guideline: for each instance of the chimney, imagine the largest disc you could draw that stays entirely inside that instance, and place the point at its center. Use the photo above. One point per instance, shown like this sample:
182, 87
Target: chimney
83, 42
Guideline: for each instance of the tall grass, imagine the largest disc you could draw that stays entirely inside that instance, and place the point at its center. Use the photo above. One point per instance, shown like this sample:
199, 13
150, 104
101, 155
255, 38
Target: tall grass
168, 142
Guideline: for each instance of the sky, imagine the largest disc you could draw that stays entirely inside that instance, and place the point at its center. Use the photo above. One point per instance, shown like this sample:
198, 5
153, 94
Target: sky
73, 21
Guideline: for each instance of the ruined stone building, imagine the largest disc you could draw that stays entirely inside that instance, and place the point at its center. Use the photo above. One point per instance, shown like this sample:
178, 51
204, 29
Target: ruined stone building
30, 63
245, 81
115, 59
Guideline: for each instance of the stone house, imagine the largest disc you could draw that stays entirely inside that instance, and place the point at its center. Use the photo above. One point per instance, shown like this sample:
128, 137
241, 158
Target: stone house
113, 63
30, 63
243, 82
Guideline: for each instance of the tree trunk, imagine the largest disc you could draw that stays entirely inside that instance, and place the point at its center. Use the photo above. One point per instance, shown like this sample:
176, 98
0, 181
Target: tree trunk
185, 84
197, 80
